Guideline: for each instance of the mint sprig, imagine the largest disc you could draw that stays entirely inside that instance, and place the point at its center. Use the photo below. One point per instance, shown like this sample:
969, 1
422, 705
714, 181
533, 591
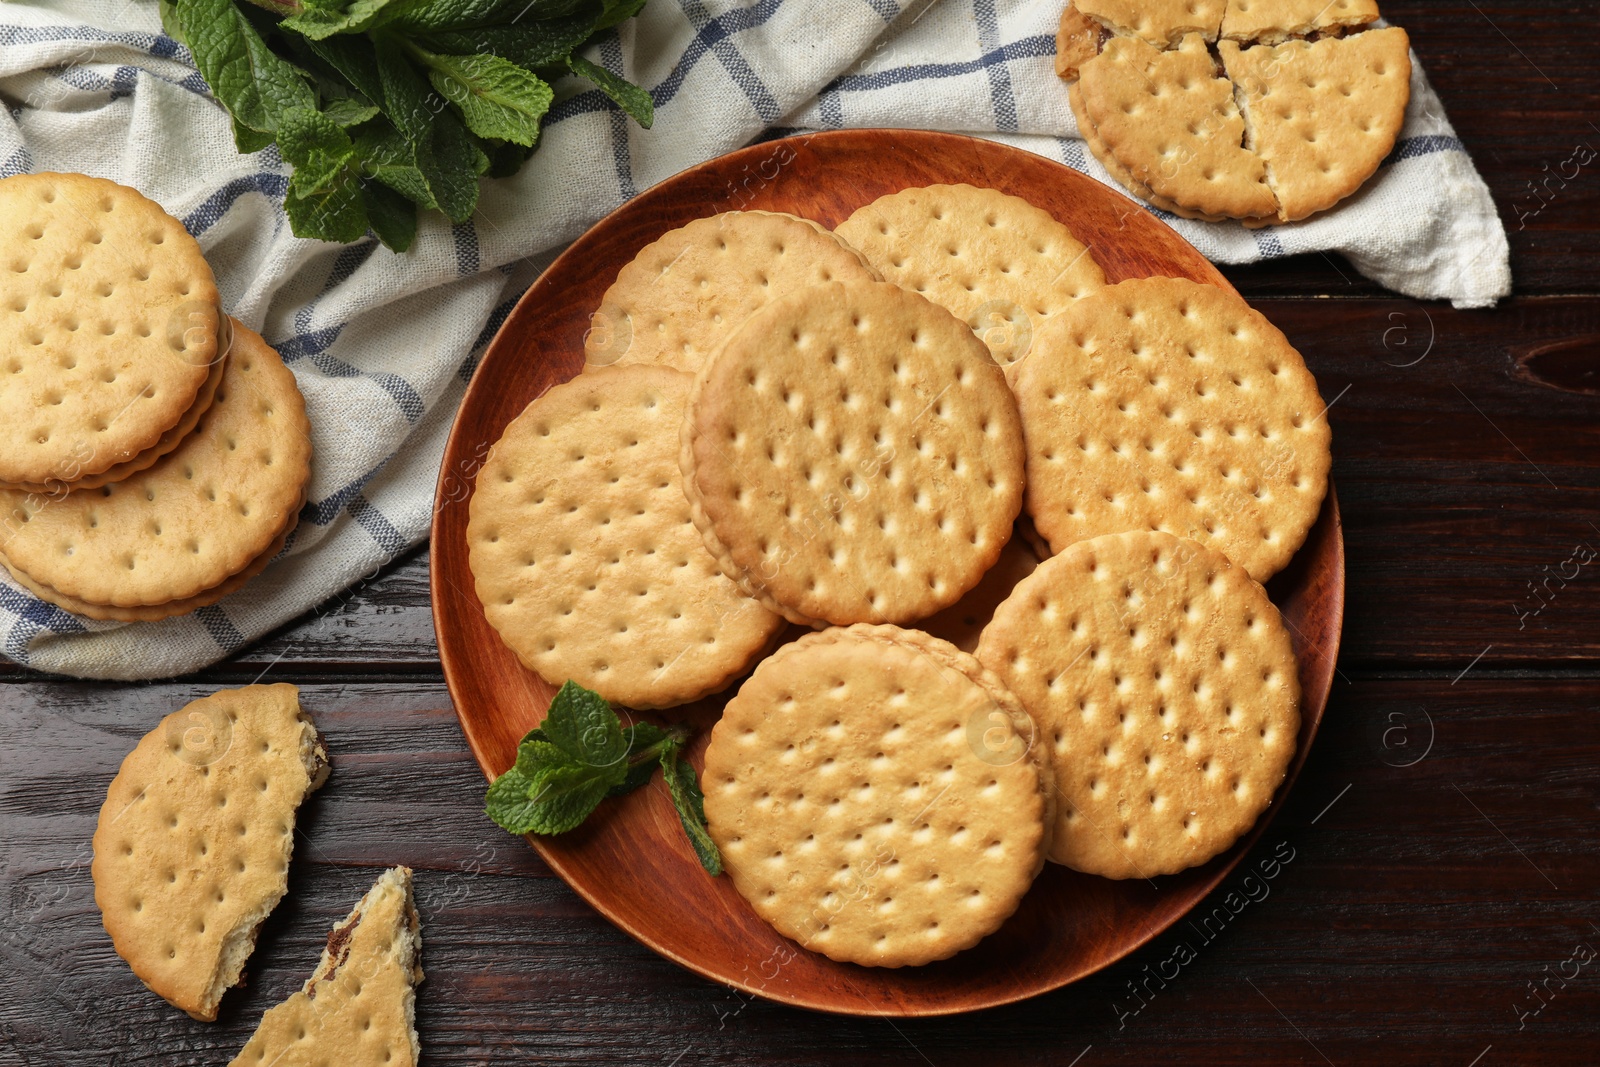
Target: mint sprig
387, 106
582, 754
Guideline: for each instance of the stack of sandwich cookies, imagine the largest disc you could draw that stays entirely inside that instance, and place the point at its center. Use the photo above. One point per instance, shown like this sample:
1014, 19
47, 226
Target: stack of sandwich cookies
1260, 110
877, 796
190, 528
110, 331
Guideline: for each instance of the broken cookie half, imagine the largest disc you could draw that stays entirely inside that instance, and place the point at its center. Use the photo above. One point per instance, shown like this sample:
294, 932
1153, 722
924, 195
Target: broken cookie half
359, 1008
1260, 110
191, 852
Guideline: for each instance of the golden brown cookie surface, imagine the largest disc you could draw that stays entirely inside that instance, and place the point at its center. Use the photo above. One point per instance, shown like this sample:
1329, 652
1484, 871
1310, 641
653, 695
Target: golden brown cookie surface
853, 454
1163, 404
108, 325
192, 848
877, 796
584, 553
1164, 682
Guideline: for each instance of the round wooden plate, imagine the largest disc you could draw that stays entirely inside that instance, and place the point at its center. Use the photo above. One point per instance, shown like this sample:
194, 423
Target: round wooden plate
630, 860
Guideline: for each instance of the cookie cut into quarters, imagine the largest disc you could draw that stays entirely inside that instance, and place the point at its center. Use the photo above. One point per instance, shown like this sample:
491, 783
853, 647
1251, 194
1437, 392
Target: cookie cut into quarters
109, 325
1165, 686
1264, 111
358, 1009
584, 553
852, 454
1163, 404
877, 796
191, 852
197, 517
996, 262
686, 291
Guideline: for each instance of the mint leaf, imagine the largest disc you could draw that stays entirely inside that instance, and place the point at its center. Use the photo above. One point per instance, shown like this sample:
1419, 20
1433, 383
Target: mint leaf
316, 21
617, 12
528, 45
581, 723
391, 215
441, 150
348, 111
510, 803
690, 802
628, 96
644, 742
247, 77
497, 98
331, 212
316, 145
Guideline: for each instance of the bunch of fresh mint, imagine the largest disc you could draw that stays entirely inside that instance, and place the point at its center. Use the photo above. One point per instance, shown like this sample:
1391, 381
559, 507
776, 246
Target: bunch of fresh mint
582, 754
385, 106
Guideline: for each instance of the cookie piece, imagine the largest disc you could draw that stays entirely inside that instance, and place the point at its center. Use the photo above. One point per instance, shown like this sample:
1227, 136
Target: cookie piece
877, 796
687, 290
191, 852
1164, 682
584, 554
1163, 404
962, 622
1169, 119
853, 454
108, 326
1322, 115
198, 516
1162, 23
995, 261
1274, 21
1078, 39
1124, 177
359, 1007
168, 441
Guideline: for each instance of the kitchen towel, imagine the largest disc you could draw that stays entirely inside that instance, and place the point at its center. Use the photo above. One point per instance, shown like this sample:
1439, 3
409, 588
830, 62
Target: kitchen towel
383, 344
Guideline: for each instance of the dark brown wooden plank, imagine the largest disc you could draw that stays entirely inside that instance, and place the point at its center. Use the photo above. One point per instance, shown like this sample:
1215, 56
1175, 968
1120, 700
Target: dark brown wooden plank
1409, 909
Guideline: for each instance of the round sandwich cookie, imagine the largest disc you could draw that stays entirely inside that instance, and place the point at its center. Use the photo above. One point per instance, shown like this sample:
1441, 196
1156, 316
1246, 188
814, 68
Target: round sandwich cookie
1163, 404
191, 852
687, 290
1166, 689
584, 553
853, 454
995, 261
203, 513
109, 323
877, 796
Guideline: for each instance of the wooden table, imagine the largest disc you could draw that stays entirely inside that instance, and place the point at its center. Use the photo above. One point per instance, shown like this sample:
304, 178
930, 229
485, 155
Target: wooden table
1445, 870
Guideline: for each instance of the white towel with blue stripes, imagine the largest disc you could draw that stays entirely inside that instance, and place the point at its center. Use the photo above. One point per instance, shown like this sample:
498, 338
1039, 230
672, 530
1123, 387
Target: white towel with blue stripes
383, 345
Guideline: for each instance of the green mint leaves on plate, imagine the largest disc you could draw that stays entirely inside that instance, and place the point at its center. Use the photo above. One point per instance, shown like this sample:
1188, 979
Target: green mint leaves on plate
386, 106
582, 754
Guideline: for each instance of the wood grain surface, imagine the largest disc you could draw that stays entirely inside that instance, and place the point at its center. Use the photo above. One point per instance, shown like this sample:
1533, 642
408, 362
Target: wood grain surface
1443, 832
